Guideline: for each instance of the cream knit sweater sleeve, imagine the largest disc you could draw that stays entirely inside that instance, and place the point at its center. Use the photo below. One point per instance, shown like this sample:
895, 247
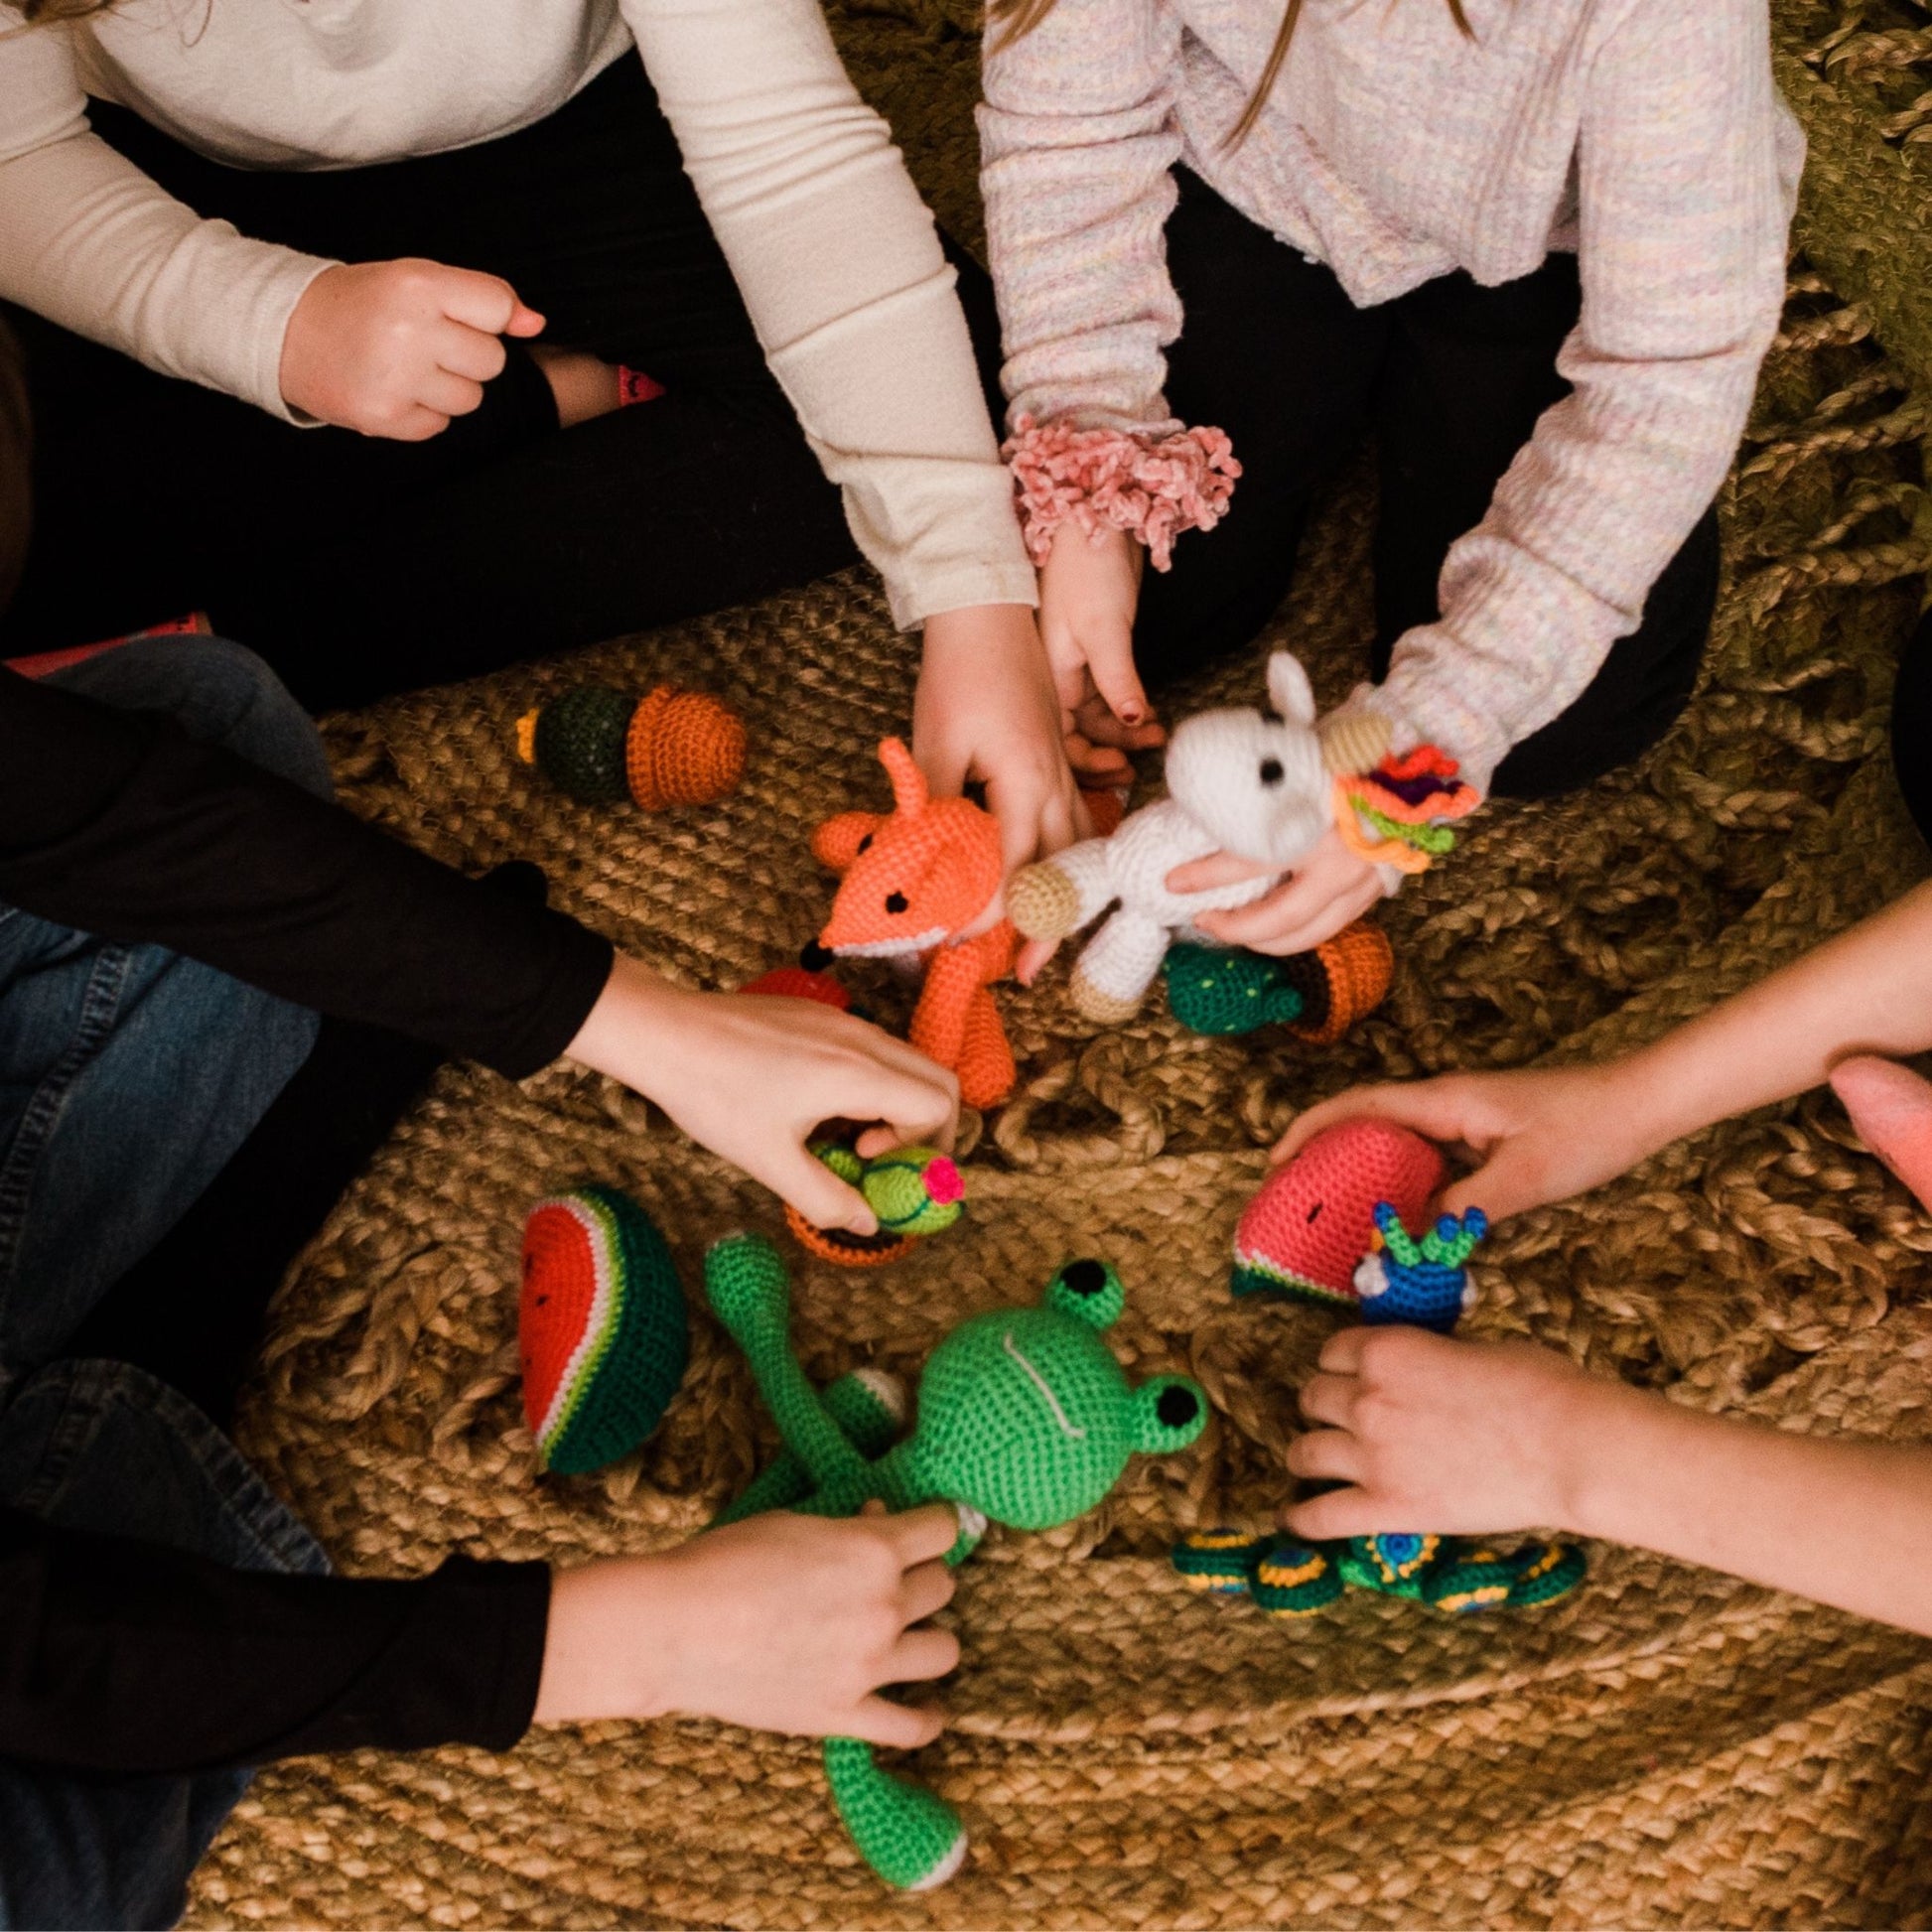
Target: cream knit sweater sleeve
1683, 217
89, 241
842, 272
835, 254
1078, 146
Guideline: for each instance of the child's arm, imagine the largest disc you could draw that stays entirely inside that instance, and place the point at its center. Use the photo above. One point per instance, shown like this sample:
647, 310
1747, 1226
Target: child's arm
1545, 1134
1491, 1436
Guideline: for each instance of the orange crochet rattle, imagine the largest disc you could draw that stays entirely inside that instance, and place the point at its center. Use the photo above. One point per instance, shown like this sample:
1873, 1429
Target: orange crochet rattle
911, 881
672, 748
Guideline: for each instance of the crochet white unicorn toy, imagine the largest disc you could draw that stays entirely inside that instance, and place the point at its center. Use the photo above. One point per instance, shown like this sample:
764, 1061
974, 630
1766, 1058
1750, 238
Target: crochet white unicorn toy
1238, 782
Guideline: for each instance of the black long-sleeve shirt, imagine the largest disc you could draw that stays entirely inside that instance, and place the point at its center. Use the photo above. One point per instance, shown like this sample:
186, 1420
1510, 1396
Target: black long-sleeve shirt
117, 1655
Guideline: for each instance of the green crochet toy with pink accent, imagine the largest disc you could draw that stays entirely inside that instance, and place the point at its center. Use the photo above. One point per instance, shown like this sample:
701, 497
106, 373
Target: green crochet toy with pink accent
1023, 1417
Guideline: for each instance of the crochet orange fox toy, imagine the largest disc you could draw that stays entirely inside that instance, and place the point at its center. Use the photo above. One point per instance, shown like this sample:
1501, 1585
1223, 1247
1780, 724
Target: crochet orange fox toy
911, 879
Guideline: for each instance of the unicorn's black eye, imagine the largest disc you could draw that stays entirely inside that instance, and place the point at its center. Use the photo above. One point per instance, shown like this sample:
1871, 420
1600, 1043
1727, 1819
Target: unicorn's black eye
895, 901
865, 844
1176, 1406
1271, 771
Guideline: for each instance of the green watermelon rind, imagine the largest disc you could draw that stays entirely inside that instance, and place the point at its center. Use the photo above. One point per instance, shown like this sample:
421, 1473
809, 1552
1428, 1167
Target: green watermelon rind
582, 1434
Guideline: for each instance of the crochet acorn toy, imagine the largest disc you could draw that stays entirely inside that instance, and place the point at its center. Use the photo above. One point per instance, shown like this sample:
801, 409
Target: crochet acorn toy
602, 1332
1317, 995
914, 1192
672, 748
1023, 1417
911, 881
1265, 788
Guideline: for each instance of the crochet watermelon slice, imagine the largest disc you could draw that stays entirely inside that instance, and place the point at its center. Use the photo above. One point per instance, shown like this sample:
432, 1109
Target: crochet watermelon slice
602, 1329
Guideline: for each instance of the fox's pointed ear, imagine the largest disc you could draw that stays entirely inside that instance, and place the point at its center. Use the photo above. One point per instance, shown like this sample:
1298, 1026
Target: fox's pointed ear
908, 781
836, 843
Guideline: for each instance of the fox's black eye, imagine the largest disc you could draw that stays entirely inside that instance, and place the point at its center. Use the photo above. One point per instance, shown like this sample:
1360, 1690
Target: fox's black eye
865, 844
1271, 774
895, 901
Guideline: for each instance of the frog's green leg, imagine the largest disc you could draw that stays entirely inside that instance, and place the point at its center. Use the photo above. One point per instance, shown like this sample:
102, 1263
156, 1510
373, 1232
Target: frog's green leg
749, 1292
914, 1839
868, 1405
1297, 1579
1220, 1561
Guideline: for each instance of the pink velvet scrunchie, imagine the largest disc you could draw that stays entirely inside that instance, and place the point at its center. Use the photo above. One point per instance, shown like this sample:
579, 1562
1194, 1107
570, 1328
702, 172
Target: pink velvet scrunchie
1153, 488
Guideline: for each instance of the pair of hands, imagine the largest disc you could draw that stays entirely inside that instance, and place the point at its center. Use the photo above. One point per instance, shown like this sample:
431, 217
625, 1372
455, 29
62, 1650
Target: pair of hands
1467, 1437
1089, 591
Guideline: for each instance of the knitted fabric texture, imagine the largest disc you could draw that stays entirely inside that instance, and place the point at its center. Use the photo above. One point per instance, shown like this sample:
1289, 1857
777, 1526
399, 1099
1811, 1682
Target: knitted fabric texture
1317, 995
672, 748
1289, 1579
1400, 813
1306, 1233
1238, 781
1424, 1283
800, 983
1152, 486
913, 1190
911, 881
602, 1332
1394, 149
1025, 1418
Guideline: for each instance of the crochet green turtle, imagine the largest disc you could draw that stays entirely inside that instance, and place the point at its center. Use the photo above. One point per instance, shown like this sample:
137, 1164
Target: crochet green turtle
1023, 1417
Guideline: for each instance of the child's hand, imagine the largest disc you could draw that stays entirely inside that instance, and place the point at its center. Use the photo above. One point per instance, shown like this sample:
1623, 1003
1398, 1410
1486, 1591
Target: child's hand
1539, 1136
1460, 1437
1331, 888
752, 1078
396, 349
985, 708
1089, 591
782, 1622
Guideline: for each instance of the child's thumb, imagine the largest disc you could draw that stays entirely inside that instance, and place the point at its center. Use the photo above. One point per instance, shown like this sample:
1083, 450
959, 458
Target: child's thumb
823, 1199
1110, 663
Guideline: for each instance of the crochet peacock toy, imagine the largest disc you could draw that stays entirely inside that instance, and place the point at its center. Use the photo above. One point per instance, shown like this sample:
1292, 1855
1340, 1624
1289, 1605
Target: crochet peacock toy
1333, 1226
911, 881
1023, 1417
672, 748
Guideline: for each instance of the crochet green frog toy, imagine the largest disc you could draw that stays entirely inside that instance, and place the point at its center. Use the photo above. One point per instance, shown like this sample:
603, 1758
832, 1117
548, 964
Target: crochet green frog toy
1025, 1418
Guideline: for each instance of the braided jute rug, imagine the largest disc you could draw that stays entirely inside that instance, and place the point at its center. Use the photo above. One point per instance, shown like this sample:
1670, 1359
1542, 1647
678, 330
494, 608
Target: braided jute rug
1667, 1747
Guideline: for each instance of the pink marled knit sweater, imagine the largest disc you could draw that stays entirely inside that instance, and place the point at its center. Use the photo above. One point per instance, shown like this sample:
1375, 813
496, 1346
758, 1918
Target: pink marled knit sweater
1645, 135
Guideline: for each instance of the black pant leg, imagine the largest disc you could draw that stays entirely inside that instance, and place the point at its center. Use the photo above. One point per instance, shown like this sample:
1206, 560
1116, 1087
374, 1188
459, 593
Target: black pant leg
1912, 726
1272, 352
1469, 371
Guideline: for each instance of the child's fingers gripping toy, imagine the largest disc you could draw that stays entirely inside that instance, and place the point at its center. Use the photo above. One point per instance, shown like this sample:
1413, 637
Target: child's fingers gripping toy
671, 747
911, 881
1023, 1417
914, 1192
1263, 789
603, 1334
1333, 1226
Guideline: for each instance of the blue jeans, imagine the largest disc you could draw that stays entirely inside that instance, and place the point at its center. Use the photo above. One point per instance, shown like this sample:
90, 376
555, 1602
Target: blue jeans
128, 1076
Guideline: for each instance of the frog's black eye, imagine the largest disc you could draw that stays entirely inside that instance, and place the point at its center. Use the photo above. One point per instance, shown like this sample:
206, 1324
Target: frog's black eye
865, 844
1271, 771
1176, 1406
895, 901
1084, 1277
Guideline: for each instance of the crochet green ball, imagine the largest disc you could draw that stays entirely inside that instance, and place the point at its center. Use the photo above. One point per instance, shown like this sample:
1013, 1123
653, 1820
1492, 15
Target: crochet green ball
580, 743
